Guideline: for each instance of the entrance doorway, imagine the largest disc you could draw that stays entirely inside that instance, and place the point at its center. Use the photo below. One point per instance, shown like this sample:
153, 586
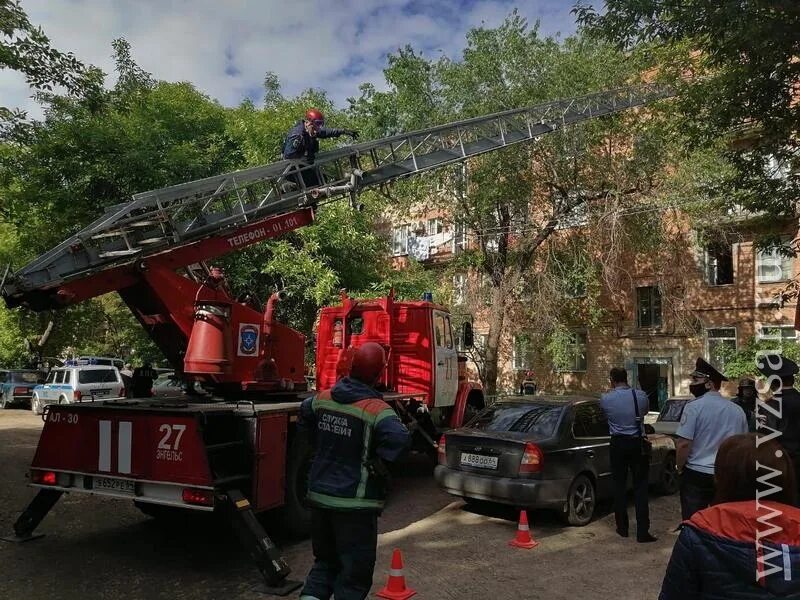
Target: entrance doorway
654, 377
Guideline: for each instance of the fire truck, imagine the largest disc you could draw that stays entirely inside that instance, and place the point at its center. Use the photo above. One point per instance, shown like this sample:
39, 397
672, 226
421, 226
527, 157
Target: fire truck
234, 450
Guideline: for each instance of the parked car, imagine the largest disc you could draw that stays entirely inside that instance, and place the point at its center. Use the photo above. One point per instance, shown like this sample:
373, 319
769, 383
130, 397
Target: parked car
16, 386
79, 383
169, 385
541, 452
670, 416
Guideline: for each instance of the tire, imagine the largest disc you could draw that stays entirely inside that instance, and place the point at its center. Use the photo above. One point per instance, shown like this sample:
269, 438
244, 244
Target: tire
581, 502
668, 482
62, 399
295, 515
36, 405
3, 402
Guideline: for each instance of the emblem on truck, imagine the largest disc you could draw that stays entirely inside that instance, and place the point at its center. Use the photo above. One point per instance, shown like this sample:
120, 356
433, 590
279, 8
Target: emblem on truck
248, 339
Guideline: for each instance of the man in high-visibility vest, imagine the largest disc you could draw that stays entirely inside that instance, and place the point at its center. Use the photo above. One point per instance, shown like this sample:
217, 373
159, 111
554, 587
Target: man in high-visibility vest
353, 431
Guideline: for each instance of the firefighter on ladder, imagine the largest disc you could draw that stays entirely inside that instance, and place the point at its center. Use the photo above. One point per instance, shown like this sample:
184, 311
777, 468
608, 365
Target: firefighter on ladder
302, 143
353, 431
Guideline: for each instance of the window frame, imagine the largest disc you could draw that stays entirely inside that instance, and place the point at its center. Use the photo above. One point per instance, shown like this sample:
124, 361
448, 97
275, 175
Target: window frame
760, 336
709, 256
528, 352
707, 340
400, 236
654, 291
784, 263
575, 347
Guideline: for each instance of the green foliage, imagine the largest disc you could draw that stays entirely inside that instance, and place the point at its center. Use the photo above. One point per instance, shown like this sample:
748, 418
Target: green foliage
742, 58
742, 362
26, 49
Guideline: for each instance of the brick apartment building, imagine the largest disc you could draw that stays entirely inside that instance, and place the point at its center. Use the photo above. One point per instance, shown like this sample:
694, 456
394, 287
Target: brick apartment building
670, 308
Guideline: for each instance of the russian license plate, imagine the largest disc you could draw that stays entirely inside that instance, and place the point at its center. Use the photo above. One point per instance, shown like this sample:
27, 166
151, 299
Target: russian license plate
478, 460
108, 484
99, 392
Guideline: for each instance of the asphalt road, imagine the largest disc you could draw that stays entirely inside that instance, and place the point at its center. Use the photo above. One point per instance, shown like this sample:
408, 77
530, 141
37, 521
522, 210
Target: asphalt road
102, 548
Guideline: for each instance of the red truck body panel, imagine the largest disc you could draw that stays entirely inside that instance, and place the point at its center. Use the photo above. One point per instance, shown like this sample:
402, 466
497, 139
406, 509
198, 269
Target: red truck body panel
130, 444
405, 327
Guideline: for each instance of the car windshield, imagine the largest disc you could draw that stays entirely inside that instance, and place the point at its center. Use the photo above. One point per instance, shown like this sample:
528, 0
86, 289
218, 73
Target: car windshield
97, 376
672, 410
538, 419
26, 377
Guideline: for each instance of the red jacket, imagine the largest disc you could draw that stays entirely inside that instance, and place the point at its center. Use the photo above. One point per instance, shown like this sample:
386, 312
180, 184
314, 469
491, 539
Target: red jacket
736, 551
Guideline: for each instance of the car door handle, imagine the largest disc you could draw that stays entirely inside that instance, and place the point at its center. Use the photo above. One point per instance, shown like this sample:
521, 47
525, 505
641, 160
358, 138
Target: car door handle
590, 454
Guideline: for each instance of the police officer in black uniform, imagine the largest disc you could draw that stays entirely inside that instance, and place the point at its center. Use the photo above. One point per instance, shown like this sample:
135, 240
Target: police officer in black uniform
785, 401
143, 378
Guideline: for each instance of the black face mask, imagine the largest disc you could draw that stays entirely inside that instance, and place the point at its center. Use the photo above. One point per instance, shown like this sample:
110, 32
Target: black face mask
697, 389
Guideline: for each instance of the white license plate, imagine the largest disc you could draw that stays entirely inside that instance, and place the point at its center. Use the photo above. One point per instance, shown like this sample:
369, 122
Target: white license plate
99, 392
478, 460
114, 485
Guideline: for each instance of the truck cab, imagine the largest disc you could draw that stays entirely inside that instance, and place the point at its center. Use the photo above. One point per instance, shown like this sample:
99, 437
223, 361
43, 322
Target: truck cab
423, 362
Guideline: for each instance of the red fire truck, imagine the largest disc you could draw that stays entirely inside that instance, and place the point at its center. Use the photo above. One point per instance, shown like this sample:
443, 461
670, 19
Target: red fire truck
234, 451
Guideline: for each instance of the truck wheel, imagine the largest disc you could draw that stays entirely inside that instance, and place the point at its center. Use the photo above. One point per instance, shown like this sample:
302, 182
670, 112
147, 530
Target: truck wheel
295, 515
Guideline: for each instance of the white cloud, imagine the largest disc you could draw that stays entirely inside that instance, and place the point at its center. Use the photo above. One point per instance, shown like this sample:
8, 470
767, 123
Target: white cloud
225, 48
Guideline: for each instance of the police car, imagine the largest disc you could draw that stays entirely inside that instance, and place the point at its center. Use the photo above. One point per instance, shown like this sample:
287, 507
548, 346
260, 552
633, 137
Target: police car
78, 383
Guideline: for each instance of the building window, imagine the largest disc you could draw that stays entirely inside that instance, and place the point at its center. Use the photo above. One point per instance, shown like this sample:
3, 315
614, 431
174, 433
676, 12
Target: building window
523, 353
576, 353
400, 239
459, 238
771, 265
777, 333
434, 226
720, 344
459, 289
719, 264
648, 304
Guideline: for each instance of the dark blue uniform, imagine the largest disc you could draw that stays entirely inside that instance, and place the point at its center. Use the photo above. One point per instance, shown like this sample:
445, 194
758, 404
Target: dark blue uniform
299, 144
350, 427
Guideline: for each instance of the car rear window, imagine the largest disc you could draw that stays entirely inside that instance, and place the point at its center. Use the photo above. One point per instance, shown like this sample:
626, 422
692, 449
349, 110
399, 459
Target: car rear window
672, 410
26, 377
538, 419
97, 376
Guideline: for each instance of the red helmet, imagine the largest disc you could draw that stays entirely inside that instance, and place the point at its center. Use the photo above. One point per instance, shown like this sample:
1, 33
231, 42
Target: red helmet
315, 116
369, 361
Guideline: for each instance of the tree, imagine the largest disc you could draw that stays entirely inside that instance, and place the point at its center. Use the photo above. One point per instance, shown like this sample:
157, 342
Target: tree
25, 48
735, 65
516, 204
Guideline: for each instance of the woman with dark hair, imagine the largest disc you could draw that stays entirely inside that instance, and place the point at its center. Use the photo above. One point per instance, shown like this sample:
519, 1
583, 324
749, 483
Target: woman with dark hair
746, 546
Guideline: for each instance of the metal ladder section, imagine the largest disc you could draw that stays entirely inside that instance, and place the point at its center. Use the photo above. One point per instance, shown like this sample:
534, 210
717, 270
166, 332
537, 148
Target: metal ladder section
173, 216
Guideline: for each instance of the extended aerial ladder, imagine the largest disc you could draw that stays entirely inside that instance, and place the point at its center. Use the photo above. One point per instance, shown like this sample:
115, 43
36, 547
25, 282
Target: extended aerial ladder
199, 220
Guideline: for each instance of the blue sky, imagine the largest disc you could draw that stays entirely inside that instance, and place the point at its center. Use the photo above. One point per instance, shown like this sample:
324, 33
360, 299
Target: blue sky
224, 47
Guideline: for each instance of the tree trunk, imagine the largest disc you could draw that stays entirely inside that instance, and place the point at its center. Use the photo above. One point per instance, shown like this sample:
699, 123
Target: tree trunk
497, 315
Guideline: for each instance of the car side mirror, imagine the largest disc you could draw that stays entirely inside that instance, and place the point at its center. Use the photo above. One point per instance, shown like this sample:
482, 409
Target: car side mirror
467, 335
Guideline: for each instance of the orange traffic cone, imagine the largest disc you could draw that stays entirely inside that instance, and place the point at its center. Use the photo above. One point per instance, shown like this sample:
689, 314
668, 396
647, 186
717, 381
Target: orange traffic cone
396, 586
523, 538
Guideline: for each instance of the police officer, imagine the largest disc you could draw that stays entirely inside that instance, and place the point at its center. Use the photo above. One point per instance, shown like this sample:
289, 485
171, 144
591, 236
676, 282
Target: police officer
785, 402
625, 409
746, 399
706, 422
142, 380
353, 431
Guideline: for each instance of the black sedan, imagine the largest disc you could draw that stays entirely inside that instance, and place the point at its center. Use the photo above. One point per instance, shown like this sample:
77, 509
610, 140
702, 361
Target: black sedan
541, 452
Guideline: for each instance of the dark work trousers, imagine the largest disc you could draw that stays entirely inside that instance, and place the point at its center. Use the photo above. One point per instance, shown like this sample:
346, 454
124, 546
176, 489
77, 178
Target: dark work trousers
697, 492
344, 554
626, 455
